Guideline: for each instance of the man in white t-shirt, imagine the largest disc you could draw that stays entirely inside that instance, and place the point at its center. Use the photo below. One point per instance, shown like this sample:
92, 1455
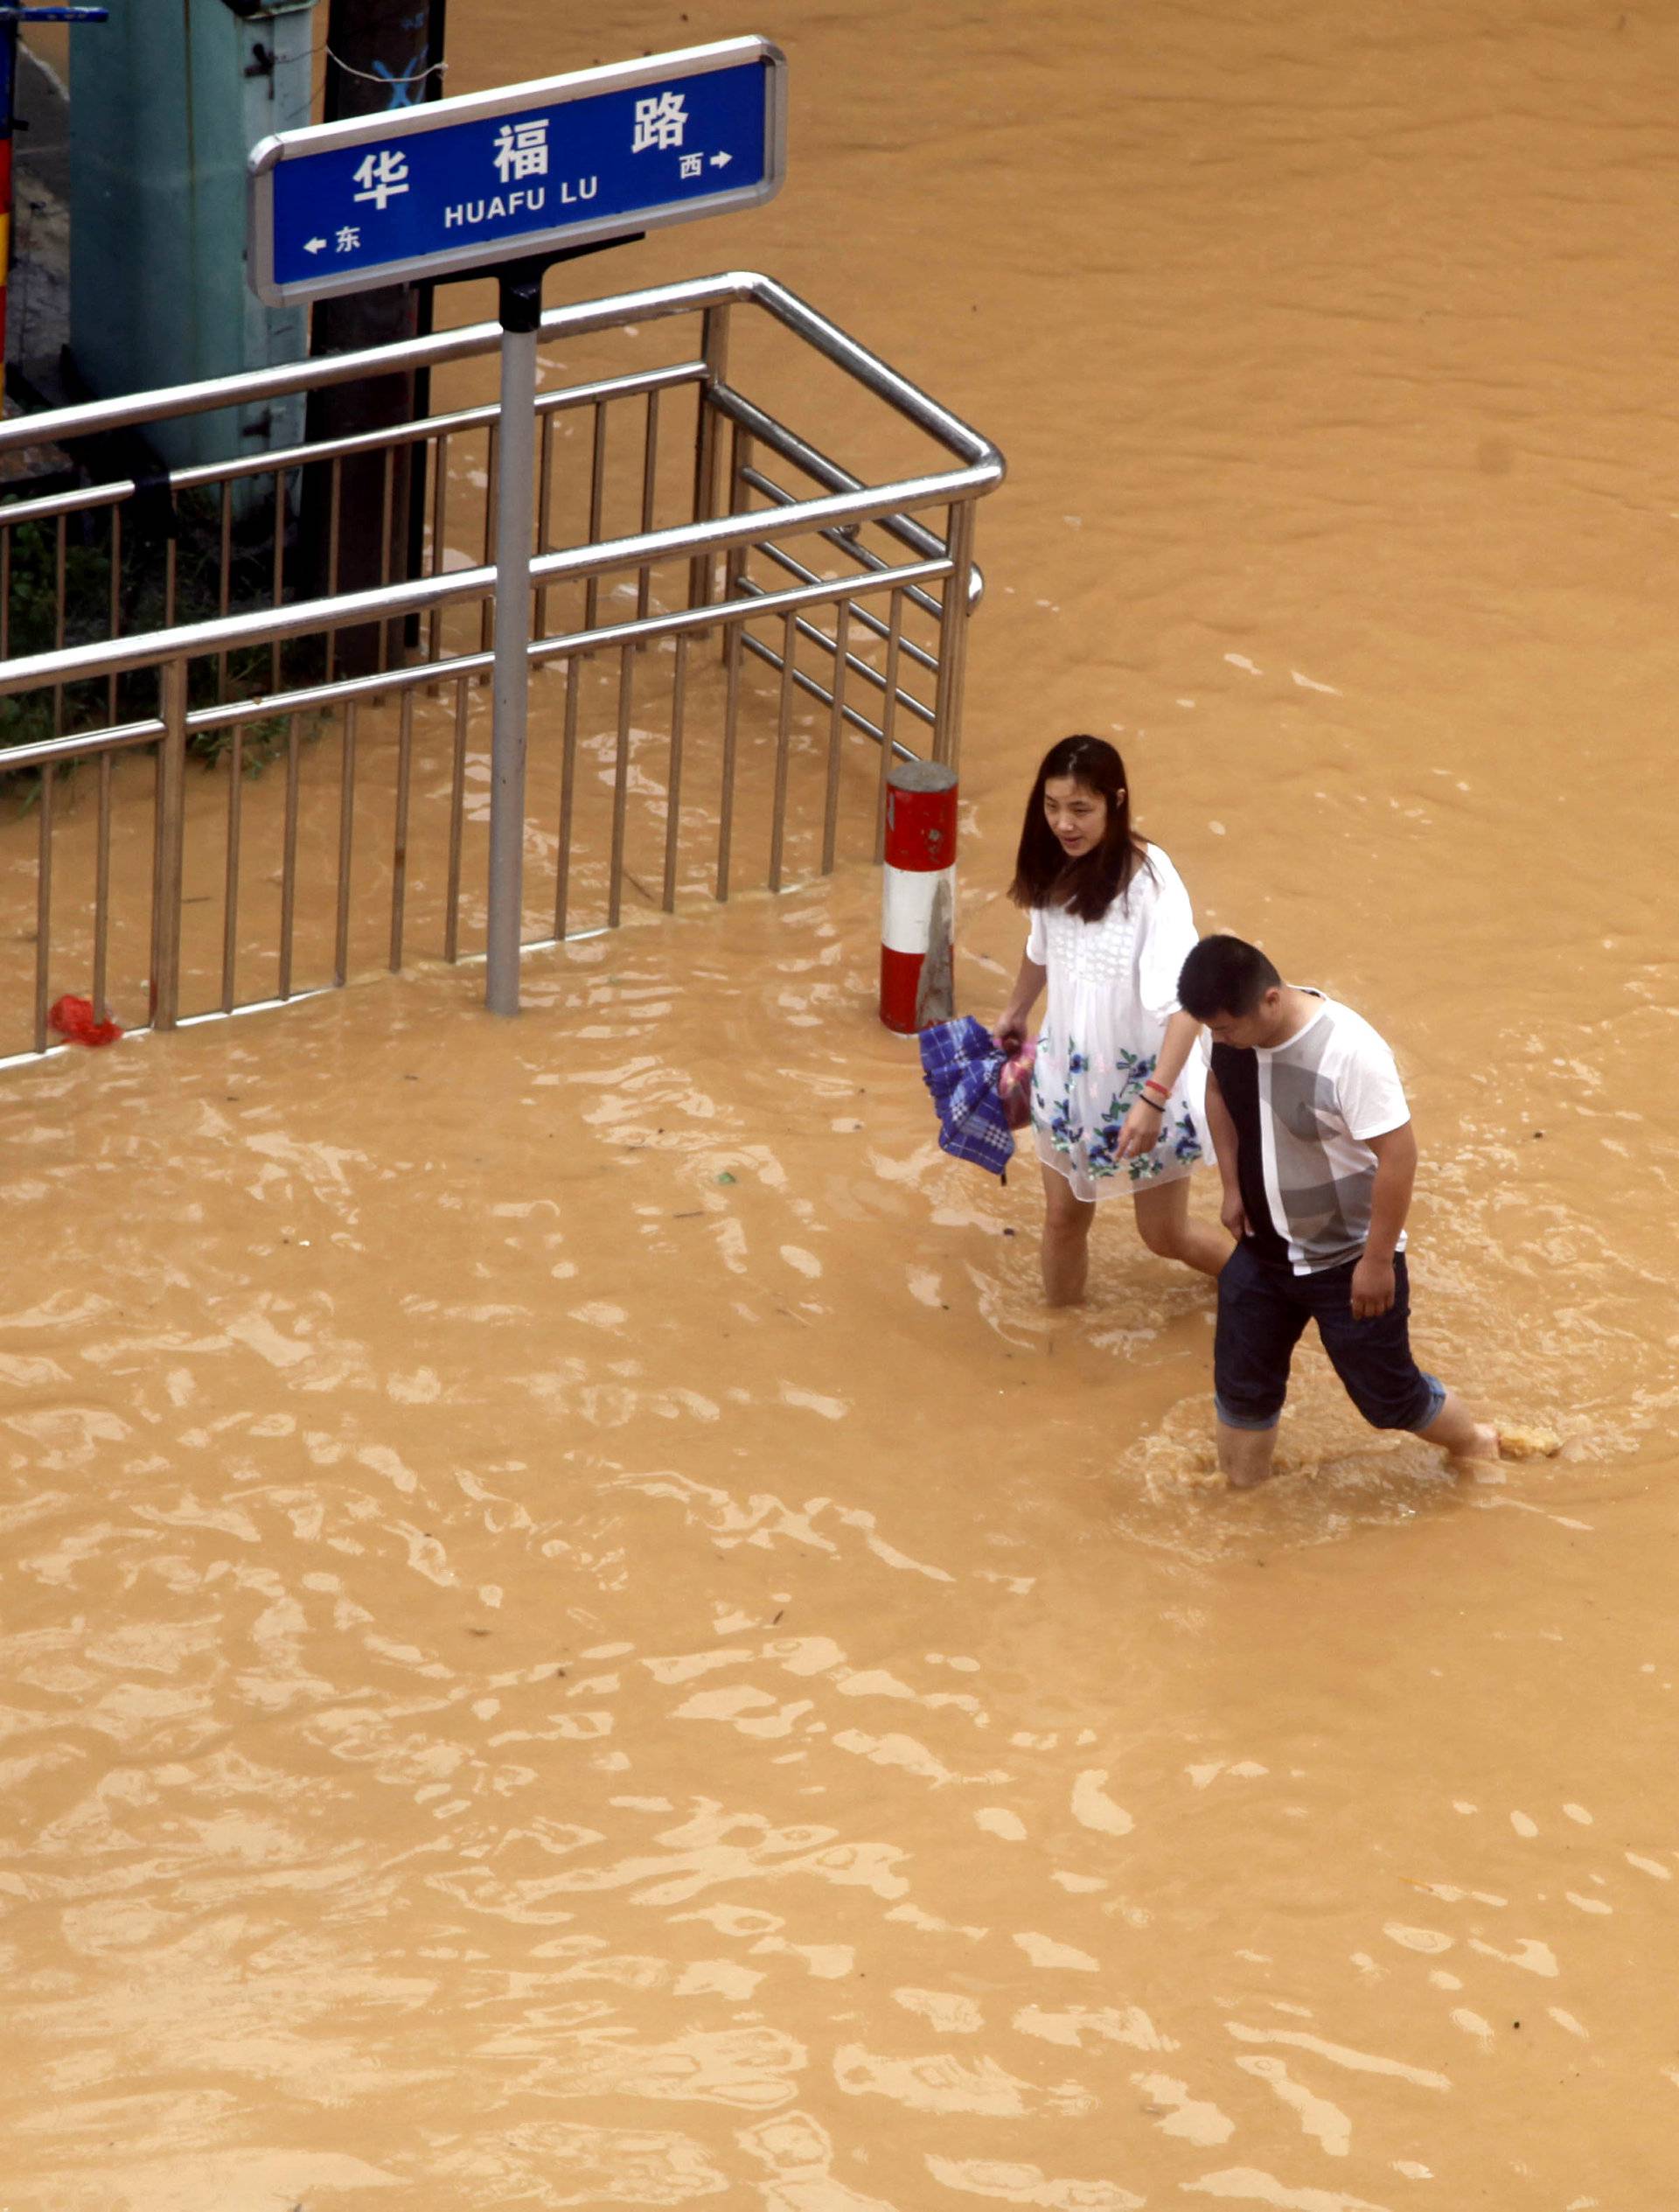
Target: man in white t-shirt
1315, 1147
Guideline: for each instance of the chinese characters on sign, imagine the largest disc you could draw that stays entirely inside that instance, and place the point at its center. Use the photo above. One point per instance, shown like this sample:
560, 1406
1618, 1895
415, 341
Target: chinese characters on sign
522, 149
659, 121
382, 176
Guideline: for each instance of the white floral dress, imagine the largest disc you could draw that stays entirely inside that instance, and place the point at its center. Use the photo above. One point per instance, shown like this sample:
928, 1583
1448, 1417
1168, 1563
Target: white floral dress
1112, 984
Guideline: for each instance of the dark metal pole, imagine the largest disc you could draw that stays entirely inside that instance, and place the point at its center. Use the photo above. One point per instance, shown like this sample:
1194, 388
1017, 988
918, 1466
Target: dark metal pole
378, 58
425, 296
7, 96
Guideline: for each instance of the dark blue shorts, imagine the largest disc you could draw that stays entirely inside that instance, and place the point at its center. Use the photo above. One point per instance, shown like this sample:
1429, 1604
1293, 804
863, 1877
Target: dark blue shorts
1262, 1309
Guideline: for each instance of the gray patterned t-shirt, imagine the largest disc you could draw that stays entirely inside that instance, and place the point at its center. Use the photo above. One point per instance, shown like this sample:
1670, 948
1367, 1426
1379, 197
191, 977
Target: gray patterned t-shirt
1304, 1111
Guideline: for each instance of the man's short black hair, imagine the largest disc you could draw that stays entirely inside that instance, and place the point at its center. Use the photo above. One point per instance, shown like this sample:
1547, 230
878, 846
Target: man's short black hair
1225, 975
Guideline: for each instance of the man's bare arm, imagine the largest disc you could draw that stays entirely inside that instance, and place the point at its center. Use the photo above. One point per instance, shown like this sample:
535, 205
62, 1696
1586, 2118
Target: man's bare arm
1222, 1129
1373, 1287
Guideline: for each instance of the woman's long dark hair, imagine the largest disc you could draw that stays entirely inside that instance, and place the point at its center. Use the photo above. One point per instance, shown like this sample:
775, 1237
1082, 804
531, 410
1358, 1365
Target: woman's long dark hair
1089, 885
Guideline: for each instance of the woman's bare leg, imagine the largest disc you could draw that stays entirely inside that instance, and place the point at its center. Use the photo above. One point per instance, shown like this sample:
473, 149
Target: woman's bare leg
1163, 1224
1065, 1255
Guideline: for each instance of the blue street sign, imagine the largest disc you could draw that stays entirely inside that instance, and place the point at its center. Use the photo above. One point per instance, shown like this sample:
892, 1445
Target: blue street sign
428, 191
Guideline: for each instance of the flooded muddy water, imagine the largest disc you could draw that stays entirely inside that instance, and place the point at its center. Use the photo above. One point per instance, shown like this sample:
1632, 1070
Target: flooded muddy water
573, 1632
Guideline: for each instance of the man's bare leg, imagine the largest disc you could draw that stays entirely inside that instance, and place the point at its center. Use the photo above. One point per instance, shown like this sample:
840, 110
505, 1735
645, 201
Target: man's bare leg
1065, 1255
1454, 1432
1245, 1455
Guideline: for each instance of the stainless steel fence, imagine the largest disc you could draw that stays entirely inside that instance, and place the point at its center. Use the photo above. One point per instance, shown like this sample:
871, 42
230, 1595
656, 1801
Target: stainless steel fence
672, 510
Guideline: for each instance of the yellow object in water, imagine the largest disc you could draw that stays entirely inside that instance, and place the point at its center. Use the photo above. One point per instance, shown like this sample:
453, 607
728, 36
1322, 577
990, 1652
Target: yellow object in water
1517, 1442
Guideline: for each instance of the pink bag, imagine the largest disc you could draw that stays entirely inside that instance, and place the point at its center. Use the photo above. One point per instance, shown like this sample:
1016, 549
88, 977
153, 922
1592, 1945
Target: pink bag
1014, 1086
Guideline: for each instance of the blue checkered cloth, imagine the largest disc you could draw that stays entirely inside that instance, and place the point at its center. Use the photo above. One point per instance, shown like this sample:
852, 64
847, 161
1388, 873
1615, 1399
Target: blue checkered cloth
961, 1065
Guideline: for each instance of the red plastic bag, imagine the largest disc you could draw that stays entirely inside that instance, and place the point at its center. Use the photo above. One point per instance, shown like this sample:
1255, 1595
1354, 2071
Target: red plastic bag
73, 1018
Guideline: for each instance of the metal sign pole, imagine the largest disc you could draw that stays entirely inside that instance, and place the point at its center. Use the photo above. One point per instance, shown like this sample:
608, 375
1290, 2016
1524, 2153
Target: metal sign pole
521, 314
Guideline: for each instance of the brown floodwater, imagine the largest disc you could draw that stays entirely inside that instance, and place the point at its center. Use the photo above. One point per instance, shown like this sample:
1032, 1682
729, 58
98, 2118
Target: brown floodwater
574, 1634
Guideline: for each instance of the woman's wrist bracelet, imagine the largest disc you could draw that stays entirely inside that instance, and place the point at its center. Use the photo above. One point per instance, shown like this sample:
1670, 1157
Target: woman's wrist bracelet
1159, 1105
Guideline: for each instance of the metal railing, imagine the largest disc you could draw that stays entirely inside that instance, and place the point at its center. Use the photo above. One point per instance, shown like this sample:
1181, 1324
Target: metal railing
375, 814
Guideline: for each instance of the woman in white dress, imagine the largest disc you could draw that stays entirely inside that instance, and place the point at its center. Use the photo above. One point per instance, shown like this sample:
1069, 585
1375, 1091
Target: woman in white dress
1118, 1087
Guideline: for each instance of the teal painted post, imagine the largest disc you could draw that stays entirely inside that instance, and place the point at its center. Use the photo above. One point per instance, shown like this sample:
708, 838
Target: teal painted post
165, 105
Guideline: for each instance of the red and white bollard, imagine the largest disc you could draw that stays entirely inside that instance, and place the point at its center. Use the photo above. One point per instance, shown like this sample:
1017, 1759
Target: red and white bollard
919, 896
